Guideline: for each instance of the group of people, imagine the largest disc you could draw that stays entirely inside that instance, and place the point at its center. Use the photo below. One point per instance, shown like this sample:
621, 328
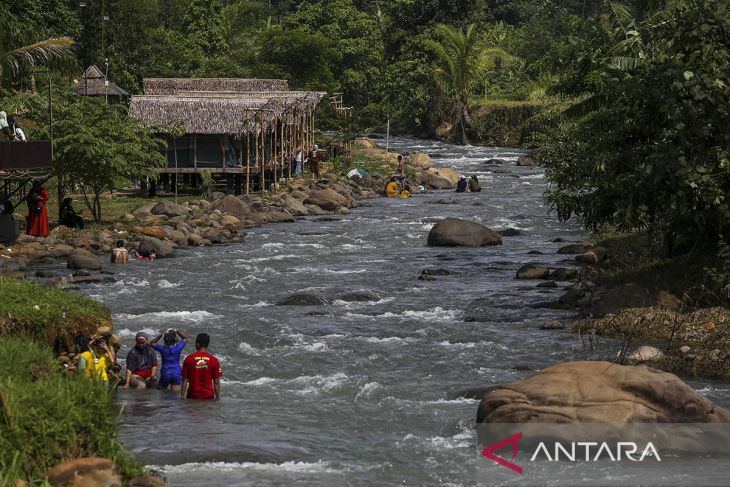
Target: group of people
10, 129
197, 378
120, 254
301, 160
472, 186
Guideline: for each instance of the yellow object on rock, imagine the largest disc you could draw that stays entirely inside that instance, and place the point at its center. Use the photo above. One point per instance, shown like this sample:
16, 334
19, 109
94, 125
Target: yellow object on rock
405, 194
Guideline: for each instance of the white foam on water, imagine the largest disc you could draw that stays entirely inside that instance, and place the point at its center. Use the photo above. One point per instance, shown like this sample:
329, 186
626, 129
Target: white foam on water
215, 467
447, 343
320, 270
534, 176
356, 304
267, 259
434, 314
388, 340
132, 282
261, 381
188, 316
127, 333
367, 390
260, 304
248, 349
164, 284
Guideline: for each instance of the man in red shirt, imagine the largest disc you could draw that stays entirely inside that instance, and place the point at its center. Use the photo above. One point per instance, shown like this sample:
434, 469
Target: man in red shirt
201, 372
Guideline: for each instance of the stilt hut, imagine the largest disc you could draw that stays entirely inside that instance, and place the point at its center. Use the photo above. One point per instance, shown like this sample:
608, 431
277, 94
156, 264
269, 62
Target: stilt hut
242, 131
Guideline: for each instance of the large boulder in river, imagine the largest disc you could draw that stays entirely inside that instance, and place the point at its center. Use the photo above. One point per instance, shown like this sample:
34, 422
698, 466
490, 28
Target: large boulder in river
83, 259
89, 471
453, 232
532, 271
328, 199
434, 181
445, 172
170, 209
420, 160
233, 206
599, 392
294, 206
152, 244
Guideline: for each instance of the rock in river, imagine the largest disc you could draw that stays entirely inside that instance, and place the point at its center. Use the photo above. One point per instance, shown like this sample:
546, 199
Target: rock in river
302, 299
453, 232
358, 296
81, 259
531, 271
599, 392
152, 244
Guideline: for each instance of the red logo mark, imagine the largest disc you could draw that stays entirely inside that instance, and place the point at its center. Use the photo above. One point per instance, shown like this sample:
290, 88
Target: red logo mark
514, 441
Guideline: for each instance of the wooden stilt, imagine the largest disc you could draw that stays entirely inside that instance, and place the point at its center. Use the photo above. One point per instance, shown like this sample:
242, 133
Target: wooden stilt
248, 156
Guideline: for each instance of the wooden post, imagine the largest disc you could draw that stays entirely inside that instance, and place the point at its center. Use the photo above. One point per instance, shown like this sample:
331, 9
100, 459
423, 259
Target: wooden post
256, 144
248, 155
274, 154
289, 155
262, 177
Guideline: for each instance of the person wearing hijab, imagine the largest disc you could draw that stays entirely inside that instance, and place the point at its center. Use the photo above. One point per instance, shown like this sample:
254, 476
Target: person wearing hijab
141, 364
37, 213
68, 216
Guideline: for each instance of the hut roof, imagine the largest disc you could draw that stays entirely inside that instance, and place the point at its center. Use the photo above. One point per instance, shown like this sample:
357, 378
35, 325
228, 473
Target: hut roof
172, 86
205, 112
92, 83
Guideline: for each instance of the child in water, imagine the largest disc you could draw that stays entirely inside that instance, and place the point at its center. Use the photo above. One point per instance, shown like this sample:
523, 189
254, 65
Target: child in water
171, 373
145, 254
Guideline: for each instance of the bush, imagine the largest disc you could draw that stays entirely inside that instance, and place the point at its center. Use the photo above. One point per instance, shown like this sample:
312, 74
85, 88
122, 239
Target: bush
48, 417
46, 314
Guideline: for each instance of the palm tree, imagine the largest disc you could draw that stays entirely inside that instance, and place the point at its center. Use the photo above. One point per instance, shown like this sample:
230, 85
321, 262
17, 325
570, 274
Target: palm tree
462, 61
13, 62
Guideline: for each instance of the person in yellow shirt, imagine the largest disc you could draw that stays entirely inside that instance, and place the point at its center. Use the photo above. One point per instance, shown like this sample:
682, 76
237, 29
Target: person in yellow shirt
391, 189
96, 358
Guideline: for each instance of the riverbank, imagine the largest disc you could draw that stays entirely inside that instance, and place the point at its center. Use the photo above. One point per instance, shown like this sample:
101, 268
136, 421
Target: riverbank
42, 421
670, 313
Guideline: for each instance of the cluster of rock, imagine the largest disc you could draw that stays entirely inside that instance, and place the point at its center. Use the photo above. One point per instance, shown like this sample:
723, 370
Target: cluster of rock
162, 227
420, 164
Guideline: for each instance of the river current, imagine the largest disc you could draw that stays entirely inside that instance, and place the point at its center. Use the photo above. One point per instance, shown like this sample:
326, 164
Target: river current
352, 393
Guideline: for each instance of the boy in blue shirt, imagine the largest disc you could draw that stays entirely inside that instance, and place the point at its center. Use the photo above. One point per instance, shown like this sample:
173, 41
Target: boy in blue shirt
171, 374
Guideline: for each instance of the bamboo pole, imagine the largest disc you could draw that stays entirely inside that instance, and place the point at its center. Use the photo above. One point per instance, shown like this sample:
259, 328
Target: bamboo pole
274, 154
256, 145
248, 156
289, 118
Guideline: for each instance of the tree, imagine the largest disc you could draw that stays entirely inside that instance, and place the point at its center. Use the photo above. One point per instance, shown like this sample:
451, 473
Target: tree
98, 145
204, 24
654, 151
462, 61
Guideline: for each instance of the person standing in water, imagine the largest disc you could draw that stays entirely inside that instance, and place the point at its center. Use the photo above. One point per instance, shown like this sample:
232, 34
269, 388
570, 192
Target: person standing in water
170, 374
201, 372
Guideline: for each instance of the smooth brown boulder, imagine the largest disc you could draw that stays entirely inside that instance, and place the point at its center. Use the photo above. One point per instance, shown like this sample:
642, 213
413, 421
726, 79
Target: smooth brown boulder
155, 231
233, 206
86, 472
152, 244
599, 392
327, 199
80, 259
434, 181
454, 232
144, 210
169, 209
420, 160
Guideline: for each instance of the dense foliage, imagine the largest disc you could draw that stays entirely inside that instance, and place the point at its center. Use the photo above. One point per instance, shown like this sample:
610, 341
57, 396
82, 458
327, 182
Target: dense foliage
650, 147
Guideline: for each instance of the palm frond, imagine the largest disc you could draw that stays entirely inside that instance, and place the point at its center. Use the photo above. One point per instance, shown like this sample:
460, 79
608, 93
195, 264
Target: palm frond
39, 53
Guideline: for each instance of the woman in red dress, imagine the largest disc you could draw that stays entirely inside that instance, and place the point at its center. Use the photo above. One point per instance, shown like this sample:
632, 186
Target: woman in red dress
37, 212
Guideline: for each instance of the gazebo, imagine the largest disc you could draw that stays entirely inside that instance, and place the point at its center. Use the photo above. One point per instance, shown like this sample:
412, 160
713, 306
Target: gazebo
94, 83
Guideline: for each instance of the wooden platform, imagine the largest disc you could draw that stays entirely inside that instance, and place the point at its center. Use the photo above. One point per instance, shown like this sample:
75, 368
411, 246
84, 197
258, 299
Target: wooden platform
212, 170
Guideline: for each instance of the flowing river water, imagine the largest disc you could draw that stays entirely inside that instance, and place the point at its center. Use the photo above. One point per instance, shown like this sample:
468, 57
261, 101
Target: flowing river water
352, 393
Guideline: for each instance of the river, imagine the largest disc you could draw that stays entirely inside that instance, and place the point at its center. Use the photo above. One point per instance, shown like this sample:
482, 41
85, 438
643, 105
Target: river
352, 393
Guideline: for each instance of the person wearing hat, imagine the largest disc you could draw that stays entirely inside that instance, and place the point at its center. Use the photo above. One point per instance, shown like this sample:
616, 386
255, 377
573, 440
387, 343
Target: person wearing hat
141, 364
461, 185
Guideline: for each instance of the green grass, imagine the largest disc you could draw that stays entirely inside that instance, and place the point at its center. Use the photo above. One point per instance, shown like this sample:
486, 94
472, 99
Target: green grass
46, 314
48, 417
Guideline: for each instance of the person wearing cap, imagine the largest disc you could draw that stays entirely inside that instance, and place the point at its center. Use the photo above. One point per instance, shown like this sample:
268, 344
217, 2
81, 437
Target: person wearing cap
461, 185
141, 364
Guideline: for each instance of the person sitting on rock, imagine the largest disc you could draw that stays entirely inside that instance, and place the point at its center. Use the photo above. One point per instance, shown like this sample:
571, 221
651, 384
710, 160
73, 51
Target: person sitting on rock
141, 364
474, 184
461, 185
120, 255
171, 374
68, 216
95, 357
391, 189
405, 192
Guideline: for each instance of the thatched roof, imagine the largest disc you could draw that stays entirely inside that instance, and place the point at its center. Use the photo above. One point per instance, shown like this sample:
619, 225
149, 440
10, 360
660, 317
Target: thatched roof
92, 83
172, 86
221, 112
